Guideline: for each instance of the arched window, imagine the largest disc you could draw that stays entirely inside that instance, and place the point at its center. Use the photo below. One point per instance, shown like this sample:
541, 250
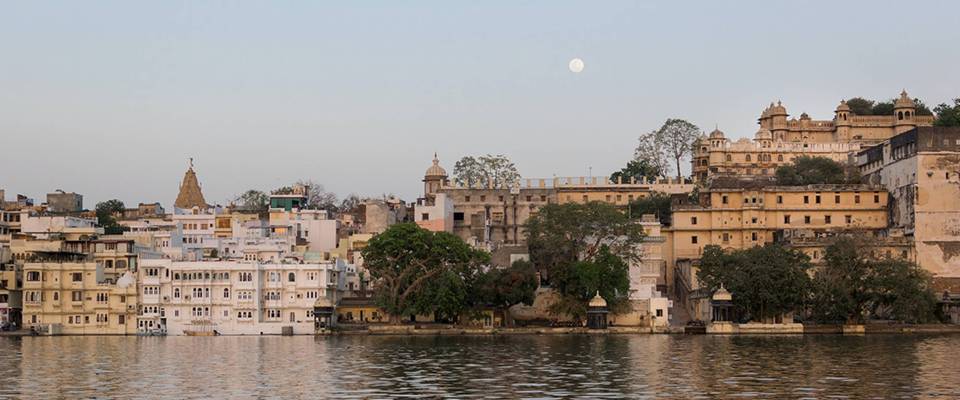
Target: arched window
899, 114
907, 114
729, 158
291, 277
780, 157
226, 293
748, 158
176, 292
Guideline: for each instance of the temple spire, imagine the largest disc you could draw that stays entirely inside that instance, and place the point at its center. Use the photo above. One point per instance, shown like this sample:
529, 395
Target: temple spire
190, 194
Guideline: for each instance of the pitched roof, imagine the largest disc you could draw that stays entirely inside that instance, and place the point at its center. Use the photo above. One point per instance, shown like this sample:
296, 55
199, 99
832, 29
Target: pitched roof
190, 195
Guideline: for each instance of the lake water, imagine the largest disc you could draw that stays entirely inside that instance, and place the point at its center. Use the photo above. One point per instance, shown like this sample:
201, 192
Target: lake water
611, 366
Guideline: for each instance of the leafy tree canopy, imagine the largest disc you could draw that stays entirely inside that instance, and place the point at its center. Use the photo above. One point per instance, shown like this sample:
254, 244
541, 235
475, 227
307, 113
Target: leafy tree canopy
571, 244
948, 115
855, 285
766, 281
807, 170
488, 170
651, 157
106, 215
416, 270
636, 169
252, 200
657, 203
678, 137
862, 106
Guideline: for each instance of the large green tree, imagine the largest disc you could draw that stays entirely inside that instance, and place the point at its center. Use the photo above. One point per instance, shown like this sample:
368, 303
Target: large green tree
571, 244
409, 264
636, 169
252, 200
678, 137
505, 287
656, 203
948, 115
106, 215
766, 281
854, 285
807, 170
487, 170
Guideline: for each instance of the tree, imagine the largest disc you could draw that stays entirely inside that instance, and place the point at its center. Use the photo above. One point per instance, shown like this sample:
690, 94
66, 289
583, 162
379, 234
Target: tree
657, 203
922, 108
505, 287
766, 281
571, 243
860, 106
407, 262
486, 171
677, 137
854, 285
883, 108
350, 203
106, 215
807, 170
651, 152
252, 200
948, 115
636, 169
317, 197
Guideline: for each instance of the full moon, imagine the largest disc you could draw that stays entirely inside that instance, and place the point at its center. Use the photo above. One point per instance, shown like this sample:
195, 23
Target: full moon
576, 65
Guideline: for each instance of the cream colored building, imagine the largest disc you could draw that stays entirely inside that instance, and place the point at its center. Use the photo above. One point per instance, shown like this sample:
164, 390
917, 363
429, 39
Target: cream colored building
70, 292
234, 297
780, 140
921, 170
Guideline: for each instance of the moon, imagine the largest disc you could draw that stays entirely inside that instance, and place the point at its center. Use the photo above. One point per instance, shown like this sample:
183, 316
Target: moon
576, 65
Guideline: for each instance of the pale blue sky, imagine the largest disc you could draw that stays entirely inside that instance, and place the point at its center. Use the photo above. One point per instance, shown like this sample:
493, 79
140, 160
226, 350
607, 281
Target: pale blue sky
109, 99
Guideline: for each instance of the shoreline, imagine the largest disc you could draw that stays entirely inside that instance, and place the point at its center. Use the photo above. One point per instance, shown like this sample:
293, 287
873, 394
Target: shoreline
409, 330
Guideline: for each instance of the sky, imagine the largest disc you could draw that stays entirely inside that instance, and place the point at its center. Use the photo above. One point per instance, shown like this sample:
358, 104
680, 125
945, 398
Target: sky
111, 99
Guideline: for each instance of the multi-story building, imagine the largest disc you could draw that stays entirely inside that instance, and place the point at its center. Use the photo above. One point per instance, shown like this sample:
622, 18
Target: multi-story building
234, 297
74, 292
739, 218
780, 140
11, 285
63, 202
921, 170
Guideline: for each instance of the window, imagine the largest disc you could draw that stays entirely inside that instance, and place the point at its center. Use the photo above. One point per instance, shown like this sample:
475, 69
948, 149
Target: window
458, 216
753, 236
292, 277
33, 276
659, 312
483, 198
848, 218
76, 277
748, 158
176, 293
786, 219
424, 216
226, 293
779, 199
723, 199
693, 239
856, 198
76, 295
585, 198
806, 199
876, 198
780, 157
500, 199
543, 198
806, 219
729, 159
529, 198
726, 237
817, 199
827, 219
466, 198
836, 199
693, 220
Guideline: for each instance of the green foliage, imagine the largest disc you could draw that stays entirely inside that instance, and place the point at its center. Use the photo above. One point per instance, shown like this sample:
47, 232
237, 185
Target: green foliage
882, 108
580, 248
807, 170
860, 106
657, 203
106, 215
678, 137
922, 108
489, 170
505, 287
253, 200
636, 169
417, 270
765, 281
948, 115
853, 286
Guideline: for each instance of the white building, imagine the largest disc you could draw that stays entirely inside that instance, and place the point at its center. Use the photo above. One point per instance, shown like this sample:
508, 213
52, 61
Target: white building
234, 297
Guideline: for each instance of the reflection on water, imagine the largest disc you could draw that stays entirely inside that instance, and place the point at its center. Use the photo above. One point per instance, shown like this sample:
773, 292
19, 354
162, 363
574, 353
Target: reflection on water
641, 366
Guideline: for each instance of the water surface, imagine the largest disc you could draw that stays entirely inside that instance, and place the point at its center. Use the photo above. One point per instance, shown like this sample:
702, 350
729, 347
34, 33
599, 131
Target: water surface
614, 366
